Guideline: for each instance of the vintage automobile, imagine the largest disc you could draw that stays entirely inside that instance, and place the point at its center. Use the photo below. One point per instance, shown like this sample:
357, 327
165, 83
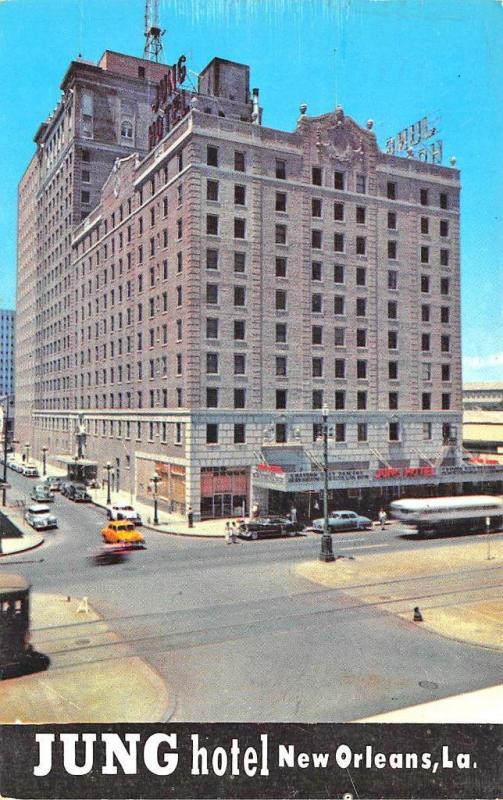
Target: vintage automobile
29, 471
42, 494
110, 554
39, 517
123, 511
78, 493
343, 521
123, 532
269, 526
54, 482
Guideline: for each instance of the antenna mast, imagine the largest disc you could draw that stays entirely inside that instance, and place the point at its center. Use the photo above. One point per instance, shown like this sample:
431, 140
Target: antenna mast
153, 32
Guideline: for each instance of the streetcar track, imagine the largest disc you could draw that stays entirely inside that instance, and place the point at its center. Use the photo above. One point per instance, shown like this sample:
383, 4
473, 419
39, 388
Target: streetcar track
310, 596
264, 623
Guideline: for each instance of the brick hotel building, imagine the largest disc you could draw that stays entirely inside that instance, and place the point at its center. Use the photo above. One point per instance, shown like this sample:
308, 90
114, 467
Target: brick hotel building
193, 308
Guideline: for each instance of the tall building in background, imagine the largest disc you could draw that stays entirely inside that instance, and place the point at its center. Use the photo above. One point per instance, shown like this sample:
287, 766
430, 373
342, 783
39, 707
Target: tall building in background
7, 338
7, 354
233, 283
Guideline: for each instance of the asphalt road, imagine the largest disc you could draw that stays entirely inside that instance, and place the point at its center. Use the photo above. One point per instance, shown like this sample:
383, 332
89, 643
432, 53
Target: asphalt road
238, 636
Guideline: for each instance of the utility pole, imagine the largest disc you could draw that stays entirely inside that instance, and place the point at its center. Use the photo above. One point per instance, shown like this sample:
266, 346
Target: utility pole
7, 399
326, 552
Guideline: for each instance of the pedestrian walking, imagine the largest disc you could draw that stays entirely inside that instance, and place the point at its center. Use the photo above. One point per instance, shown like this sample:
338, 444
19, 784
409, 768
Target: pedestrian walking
233, 532
228, 539
382, 518
293, 514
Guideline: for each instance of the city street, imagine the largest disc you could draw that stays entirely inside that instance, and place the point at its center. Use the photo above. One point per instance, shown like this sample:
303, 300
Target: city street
238, 635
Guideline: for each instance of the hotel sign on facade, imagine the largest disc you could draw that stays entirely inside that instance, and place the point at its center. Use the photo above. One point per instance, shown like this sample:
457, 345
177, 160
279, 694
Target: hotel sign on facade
364, 478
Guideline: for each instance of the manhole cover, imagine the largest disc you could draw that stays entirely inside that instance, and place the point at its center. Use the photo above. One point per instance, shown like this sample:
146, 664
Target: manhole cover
428, 685
82, 641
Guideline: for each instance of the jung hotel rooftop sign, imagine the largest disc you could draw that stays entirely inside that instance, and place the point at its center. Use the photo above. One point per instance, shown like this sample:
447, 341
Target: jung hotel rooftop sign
415, 141
170, 103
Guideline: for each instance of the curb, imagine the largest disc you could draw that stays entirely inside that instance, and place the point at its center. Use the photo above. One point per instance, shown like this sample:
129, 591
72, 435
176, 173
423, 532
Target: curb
24, 533
24, 549
150, 527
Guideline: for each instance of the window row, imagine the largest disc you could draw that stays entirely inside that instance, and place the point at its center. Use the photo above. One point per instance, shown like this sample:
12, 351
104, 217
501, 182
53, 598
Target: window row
336, 179
340, 432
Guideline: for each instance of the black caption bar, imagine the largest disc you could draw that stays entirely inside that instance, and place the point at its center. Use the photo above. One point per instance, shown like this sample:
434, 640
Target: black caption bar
251, 761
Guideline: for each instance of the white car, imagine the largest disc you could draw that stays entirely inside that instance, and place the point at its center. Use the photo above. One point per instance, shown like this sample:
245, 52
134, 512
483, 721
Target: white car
30, 472
123, 511
39, 517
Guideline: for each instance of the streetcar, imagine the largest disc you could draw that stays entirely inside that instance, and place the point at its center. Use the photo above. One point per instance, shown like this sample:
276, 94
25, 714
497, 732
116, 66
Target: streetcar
469, 514
17, 656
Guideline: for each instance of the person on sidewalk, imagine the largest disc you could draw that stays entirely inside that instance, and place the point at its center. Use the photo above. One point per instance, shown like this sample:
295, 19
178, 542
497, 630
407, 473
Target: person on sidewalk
293, 514
228, 539
382, 518
234, 532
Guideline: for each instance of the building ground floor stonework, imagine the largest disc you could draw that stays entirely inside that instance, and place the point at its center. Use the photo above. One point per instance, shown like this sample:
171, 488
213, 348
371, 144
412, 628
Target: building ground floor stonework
220, 463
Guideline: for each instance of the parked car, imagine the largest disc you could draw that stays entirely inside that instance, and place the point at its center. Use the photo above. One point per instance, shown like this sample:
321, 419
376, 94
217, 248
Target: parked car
17, 466
343, 521
123, 511
53, 482
29, 471
65, 488
123, 531
269, 526
42, 494
39, 517
78, 493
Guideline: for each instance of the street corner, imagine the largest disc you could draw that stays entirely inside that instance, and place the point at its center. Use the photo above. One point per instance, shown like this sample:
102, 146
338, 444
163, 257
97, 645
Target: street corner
478, 622
26, 542
124, 690
458, 585
16, 535
93, 676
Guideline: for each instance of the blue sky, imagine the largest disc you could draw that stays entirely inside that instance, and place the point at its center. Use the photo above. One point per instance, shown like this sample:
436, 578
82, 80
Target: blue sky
390, 60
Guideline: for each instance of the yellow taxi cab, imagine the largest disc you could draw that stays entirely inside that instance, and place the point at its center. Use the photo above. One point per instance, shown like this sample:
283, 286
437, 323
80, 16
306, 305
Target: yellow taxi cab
122, 531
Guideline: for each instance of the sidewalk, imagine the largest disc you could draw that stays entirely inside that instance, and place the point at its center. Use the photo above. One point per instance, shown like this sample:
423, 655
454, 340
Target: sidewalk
175, 524
92, 677
18, 544
472, 615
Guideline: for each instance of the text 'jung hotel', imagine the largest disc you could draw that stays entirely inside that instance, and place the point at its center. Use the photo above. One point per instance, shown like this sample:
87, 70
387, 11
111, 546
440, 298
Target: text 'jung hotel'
194, 288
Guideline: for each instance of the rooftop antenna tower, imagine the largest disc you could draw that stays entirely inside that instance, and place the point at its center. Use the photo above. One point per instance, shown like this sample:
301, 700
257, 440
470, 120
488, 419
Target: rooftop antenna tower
153, 32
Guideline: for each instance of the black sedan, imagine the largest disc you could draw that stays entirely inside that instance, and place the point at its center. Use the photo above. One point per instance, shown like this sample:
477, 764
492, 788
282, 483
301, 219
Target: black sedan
269, 526
78, 493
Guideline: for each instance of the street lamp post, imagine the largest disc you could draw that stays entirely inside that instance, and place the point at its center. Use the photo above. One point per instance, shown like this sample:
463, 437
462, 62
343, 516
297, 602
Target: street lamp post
44, 461
326, 552
155, 481
108, 468
7, 399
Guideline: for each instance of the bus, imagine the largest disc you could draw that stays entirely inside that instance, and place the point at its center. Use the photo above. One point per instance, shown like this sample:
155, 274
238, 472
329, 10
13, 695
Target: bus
467, 514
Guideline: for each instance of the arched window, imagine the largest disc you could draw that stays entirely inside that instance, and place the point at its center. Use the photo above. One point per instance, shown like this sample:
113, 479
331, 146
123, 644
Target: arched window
127, 130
